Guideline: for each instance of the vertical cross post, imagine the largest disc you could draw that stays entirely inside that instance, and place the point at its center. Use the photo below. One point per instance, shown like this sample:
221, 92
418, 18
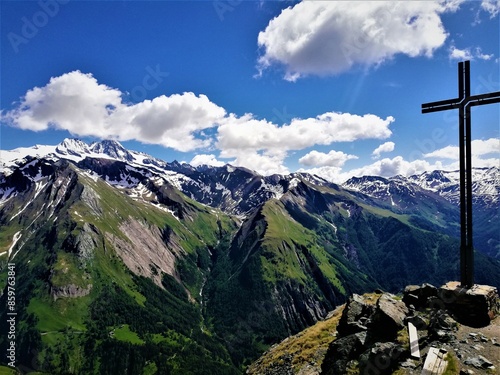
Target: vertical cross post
463, 103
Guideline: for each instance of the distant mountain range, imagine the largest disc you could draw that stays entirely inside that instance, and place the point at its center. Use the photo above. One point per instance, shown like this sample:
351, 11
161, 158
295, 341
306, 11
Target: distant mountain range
237, 190
130, 264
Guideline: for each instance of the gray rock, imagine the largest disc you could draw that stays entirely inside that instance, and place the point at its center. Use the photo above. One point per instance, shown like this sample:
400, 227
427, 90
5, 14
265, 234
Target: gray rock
479, 362
388, 319
442, 326
69, 291
409, 363
445, 336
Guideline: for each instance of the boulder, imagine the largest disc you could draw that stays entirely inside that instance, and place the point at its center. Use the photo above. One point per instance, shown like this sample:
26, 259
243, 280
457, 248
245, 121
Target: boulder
479, 362
388, 319
441, 320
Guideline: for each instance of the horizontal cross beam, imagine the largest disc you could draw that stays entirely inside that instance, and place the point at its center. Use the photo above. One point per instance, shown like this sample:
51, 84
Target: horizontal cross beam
492, 97
443, 105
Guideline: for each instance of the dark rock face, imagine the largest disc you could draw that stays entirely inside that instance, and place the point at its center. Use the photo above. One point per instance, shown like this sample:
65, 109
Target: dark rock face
418, 295
341, 351
382, 358
351, 320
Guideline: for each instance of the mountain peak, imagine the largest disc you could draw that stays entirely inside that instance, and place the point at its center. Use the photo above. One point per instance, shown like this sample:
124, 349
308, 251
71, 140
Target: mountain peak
112, 148
72, 146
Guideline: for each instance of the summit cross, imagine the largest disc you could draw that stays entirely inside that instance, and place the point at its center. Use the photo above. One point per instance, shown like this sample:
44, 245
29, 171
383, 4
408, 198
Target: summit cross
464, 102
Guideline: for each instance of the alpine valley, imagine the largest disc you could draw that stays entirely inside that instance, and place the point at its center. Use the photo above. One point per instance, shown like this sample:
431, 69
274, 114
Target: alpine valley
126, 264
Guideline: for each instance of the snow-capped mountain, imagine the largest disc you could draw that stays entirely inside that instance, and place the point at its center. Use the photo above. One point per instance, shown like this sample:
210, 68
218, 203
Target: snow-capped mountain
113, 149
237, 190
76, 150
73, 147
485, 184
485, 187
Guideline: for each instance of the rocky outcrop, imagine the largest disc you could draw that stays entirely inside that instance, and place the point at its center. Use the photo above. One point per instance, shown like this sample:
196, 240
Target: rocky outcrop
366, 331
86, 242
144, 252
355, 316
297, 306
342, 352
83, 244
92, 200
374, 339
359, 345
69, 291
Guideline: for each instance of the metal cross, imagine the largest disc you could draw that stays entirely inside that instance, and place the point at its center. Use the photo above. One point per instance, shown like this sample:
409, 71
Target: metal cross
464, 102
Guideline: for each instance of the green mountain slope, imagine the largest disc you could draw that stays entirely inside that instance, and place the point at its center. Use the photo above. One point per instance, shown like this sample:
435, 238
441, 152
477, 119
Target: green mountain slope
96, 296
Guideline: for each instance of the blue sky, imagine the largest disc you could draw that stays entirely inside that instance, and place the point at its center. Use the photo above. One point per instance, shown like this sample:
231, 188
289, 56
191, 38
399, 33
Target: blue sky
333, 88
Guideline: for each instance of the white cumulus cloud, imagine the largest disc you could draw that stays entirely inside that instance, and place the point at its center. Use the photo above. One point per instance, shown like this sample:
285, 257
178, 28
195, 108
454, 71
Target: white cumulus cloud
330, 37
332, 158
468, 54
76, 102
384, 167
479, 147
247, 132
384, 147
206, 159
263, 146
264, 162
